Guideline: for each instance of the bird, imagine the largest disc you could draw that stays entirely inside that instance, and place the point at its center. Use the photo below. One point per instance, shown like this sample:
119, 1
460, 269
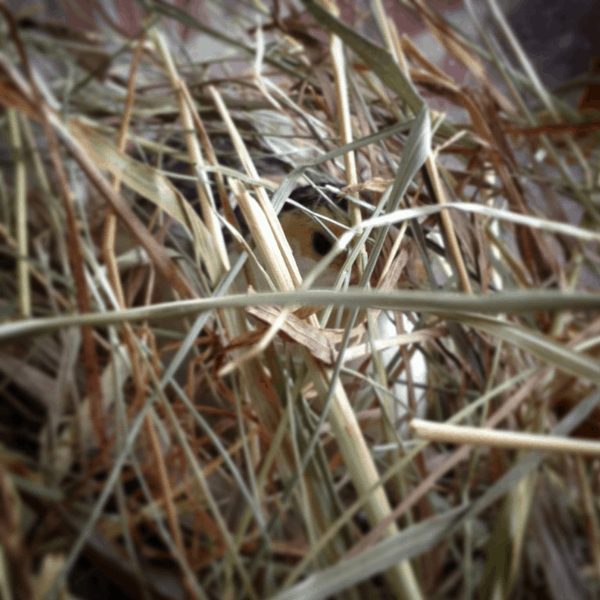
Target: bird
313, 217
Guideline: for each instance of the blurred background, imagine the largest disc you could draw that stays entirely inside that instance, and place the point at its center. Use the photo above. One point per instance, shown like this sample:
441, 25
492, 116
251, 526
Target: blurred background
561, 37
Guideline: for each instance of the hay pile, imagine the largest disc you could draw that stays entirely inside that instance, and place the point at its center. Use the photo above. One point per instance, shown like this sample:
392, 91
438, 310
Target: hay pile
169, 431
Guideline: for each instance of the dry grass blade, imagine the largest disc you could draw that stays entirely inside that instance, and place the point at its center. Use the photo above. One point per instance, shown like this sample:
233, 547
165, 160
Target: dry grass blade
451, 304
476, 436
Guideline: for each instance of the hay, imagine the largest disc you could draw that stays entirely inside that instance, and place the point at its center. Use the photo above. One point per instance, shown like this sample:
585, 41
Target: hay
184, 410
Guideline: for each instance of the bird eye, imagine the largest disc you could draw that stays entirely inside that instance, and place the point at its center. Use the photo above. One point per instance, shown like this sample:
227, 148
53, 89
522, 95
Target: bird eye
321, 243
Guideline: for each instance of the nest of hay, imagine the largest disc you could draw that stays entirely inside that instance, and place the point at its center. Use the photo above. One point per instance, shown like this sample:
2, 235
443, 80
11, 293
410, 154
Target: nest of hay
185, 413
